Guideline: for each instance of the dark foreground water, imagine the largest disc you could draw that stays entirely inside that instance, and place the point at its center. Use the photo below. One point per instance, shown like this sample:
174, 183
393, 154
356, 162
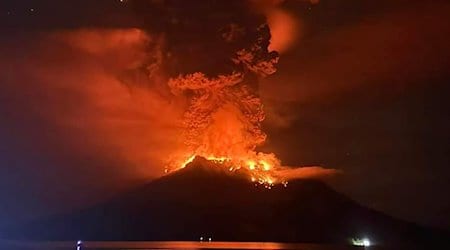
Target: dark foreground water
13, 245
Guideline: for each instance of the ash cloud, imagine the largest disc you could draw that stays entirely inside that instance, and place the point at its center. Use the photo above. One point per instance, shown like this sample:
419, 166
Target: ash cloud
73, 127
78, 80
396, 46
231, 97
285, 28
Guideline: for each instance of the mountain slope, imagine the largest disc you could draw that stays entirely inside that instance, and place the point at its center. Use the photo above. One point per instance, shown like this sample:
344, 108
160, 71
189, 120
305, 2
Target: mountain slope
203, 200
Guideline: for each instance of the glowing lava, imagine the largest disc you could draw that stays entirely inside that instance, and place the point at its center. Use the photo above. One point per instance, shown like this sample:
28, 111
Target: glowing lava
222, 121
260, 171
224, 113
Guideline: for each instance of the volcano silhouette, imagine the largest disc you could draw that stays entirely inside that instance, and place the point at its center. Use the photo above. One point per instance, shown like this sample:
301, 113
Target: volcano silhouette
203, 200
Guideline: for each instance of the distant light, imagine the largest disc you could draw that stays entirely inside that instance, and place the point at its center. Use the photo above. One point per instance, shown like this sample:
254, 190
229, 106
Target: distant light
209, 239
31, 9
201, 238
79, 244
365, 242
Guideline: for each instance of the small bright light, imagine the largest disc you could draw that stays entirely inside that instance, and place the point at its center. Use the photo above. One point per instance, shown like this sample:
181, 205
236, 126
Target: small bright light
361, 242
209, 239
79, 244
201, 238
366, 242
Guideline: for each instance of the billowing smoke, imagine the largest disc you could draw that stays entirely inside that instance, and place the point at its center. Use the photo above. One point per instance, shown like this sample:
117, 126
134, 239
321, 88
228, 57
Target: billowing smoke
225, 112
93, 87
81, 119
285, 27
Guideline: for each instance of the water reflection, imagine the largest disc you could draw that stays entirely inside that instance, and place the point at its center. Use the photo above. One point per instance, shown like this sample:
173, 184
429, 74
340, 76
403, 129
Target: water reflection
186, 245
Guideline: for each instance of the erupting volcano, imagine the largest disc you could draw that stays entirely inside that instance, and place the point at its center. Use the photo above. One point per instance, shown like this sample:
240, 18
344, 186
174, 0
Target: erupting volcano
151, 120
224, 113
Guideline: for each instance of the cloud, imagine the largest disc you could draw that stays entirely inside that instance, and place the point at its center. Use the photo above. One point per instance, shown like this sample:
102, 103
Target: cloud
307, 172
285, 28
393, 48
76, 83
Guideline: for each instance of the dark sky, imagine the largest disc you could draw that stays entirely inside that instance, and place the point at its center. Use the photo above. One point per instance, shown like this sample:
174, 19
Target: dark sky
364, 88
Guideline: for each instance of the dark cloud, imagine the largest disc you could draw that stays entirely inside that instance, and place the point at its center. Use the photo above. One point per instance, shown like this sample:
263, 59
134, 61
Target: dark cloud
392, 48
72, 129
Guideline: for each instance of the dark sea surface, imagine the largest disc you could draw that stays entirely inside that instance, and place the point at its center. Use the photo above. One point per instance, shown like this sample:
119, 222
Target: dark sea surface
15, 245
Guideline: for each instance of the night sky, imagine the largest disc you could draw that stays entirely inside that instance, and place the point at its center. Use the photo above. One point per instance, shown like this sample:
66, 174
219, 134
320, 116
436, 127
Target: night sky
364, 88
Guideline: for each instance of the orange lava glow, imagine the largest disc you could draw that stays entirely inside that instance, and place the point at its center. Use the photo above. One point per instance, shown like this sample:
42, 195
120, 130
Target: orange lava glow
222, 124
223, 117
261, 171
